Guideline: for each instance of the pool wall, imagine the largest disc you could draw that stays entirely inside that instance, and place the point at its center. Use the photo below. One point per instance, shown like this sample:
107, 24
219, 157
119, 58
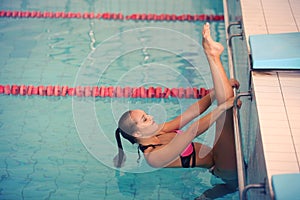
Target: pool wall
255, 167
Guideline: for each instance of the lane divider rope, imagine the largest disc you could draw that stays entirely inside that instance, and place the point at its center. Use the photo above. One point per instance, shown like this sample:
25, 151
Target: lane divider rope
104, 91
110, 16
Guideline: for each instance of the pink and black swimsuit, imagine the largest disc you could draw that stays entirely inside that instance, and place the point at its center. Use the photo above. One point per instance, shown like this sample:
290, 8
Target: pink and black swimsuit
185, 157
188, 154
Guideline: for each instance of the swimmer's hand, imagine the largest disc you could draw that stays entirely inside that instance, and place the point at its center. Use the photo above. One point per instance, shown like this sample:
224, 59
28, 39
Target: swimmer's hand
227, 104
230, 103
234, 83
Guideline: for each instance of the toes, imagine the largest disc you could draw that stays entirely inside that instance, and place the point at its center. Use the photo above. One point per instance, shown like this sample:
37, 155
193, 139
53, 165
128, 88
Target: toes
206, 30
206, 26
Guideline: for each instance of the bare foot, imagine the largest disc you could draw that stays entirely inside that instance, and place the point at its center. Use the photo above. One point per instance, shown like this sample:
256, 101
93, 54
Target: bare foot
211, 47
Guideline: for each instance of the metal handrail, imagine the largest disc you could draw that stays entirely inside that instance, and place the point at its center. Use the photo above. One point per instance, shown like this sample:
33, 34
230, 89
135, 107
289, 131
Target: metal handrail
233, 36
252, 186
238, 23
243, 188
238, 142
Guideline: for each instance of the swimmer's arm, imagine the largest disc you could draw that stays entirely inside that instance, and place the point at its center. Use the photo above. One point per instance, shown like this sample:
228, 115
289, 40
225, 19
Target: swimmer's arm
191, 113
202, 124
171, 151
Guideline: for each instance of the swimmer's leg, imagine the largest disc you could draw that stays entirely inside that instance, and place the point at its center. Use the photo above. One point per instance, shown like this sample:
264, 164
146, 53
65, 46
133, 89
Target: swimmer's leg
224, 147
213, 51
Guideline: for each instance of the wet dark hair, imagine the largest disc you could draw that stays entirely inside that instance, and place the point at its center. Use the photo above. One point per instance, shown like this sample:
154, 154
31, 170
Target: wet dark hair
120, 158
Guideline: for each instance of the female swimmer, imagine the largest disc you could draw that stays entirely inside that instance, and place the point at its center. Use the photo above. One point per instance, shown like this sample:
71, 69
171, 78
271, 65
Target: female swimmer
165, 145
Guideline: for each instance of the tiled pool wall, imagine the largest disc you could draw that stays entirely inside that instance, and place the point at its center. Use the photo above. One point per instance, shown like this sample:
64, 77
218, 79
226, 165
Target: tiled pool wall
255, 168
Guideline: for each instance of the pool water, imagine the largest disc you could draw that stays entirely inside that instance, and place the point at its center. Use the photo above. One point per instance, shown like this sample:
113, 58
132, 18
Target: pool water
63, 147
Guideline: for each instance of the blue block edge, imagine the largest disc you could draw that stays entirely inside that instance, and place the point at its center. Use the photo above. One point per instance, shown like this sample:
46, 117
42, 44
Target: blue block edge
286, 186
275, 51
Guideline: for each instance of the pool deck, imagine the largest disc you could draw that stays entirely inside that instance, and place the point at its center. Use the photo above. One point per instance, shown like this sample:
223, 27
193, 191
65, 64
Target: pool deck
277, 93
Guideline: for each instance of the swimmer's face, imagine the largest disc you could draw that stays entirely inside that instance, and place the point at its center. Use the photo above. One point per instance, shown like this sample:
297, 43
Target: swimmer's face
145, 125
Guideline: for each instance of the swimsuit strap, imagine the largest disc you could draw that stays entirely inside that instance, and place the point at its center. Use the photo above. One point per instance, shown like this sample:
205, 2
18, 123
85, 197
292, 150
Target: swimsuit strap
143, 148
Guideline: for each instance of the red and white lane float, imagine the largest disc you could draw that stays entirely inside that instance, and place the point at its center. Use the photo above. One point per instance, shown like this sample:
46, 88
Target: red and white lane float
103, 91
111, 16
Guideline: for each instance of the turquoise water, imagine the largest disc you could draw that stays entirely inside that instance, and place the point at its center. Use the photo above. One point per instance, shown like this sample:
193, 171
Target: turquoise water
62, 147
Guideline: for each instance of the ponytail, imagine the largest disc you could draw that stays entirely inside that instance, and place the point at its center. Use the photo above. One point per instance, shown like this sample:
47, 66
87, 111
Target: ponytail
128, 127
120, 158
